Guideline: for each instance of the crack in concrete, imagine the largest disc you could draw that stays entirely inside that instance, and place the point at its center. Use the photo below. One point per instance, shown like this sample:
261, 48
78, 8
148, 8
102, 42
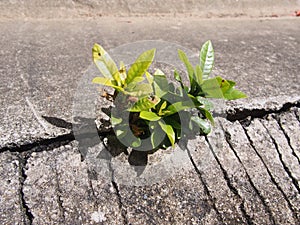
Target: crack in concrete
262, 199
286, 136
287, 170
206, 190
27, 215
65, 138
258, 113
297, 115
230, 185
117, 190
58, 194
271, 176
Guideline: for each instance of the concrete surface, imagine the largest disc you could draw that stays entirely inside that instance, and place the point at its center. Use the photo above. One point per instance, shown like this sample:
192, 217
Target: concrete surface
96, 8
242, 173
245, 172
42, 61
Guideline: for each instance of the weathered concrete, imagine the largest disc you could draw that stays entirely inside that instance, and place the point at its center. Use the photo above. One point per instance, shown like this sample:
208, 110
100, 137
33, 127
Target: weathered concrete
11, 207
261, 179
92, 8
245, 172
62, 192
42, 61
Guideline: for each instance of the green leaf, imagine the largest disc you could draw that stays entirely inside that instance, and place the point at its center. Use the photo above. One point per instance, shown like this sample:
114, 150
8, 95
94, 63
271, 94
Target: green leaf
206, 59
107, 82
178, 78
205, 103
168, 129
218, 87
189, 67
144, 104
162, 107
233, 94
207, 115
121, 130
151, 116
211, 88
171, 120
140, 66
140, 90
202, 124
136, 143
149, 77
179, 106
157, 136
105, 64
122, 72
160, 84
199, 75
115, 120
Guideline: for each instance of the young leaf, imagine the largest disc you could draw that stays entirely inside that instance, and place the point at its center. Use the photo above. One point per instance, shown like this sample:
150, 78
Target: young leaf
140, 90
105, 64
206, 59
178, 78
199, 75
149, 78
211, 88
168, 129
160, 84
106, 82
162, 107
139, 67
121, 130
189, 67
136, 143
151, 116
115, 120
233, 94
205, 103
179, 106
157, 135
122, 72
144, 104
202, 124
207, 115
218, 87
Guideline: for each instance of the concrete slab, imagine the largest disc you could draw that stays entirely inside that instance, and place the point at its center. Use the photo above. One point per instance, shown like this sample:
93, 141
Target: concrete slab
62, 191
237, 177
267, 190
290, 126
269, 155
11, 209
42, 60
213, 177
233, 180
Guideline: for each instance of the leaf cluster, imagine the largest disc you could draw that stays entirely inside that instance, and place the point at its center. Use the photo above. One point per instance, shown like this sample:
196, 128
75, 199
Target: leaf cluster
151, 112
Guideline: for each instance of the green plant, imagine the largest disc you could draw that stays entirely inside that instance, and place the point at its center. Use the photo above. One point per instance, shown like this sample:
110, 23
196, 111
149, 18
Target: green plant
151, 106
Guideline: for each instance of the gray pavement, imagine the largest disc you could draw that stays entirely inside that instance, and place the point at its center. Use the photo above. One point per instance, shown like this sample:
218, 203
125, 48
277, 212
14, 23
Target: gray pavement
245, 172
42, 61
96, 8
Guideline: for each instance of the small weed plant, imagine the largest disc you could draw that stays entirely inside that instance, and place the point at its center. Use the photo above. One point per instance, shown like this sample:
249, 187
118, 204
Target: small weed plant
151, 112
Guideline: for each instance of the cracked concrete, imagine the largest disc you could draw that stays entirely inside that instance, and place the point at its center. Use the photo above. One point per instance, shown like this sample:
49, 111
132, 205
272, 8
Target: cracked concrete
235, 175
245, 172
